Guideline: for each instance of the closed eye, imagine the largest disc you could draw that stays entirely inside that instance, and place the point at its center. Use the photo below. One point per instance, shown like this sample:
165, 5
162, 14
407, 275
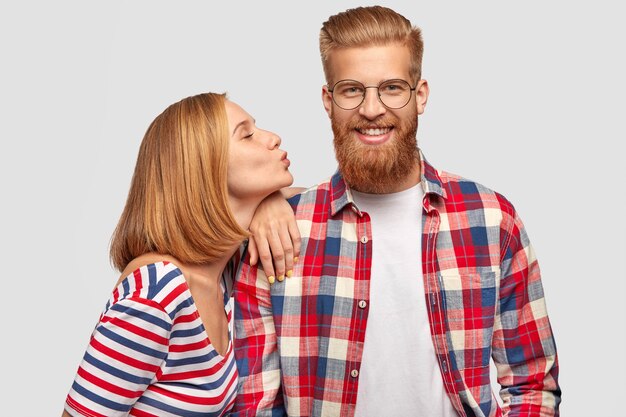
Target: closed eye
249, 136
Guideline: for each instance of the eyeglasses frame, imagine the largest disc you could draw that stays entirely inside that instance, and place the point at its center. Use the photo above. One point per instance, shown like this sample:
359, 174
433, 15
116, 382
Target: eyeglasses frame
377, 87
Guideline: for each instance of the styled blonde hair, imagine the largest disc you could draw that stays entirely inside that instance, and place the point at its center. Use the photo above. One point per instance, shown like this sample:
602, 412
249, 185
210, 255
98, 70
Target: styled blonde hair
373, 25
178, 199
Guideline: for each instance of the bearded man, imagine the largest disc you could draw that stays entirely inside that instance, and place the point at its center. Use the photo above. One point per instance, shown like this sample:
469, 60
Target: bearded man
410, 279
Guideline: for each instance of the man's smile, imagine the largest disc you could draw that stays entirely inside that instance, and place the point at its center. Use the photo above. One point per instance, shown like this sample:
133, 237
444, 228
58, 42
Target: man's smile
374, 136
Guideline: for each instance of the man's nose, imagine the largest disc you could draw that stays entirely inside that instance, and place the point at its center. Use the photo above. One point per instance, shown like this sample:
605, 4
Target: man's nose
371, 107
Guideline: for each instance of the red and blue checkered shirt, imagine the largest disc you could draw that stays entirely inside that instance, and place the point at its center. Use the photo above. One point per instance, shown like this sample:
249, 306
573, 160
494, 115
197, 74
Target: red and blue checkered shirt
299, 343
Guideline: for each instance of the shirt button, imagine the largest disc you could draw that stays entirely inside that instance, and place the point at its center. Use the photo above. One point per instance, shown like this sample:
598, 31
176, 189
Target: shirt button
364, 239
362, 304
433, 299
354, 373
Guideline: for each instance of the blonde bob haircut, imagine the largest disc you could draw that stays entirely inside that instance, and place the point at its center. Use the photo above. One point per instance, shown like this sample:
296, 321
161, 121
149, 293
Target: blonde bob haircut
367, 26
178, 199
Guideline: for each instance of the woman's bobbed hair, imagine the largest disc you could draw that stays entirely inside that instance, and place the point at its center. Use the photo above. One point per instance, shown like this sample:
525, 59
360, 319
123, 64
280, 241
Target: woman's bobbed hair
178, 199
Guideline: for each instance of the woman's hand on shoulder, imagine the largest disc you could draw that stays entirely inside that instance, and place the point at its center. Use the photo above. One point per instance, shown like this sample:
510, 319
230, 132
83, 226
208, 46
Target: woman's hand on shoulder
275, 239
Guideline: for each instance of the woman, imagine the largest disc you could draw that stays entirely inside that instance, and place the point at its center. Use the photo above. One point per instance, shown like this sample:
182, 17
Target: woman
163, 344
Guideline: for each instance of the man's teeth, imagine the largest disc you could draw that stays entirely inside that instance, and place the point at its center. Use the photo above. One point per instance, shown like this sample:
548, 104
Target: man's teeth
374, 132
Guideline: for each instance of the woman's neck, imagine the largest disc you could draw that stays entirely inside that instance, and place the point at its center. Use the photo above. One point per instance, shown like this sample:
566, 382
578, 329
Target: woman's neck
211, 271
243, 210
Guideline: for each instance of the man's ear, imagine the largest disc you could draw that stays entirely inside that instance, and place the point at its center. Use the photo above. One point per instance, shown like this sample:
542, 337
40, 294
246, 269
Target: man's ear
327, 100
421, 95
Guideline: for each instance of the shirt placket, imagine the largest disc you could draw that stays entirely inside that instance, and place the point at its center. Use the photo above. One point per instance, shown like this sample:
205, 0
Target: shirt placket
360, 304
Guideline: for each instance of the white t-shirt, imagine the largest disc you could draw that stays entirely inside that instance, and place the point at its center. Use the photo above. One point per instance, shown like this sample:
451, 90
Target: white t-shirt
399, 374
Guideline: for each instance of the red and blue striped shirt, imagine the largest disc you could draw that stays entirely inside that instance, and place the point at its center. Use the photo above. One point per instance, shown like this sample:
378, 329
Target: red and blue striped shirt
149, 354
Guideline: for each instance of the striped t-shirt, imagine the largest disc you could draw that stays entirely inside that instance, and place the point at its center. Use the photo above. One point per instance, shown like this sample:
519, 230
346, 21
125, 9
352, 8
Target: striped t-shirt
149, 354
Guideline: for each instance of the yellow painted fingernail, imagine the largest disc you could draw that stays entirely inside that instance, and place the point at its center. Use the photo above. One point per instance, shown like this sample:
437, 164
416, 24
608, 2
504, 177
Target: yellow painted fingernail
281, 277
289, 273
295, 259
271, 279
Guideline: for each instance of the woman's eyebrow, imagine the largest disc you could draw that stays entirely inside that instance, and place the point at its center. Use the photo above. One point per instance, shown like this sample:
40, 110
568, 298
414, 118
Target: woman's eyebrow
243, 122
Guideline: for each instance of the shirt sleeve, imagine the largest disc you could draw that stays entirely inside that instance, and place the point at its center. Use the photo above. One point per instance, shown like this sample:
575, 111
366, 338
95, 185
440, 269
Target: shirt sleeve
259, 390
524, 350
124, 355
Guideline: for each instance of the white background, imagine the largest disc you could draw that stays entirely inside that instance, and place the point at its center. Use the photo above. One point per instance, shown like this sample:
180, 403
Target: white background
526, 98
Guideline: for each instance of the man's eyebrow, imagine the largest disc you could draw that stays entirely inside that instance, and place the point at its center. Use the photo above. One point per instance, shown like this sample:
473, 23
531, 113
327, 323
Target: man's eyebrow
243, 123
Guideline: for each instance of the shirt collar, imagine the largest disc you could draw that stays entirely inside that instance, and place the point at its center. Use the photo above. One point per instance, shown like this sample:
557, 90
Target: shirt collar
340, 195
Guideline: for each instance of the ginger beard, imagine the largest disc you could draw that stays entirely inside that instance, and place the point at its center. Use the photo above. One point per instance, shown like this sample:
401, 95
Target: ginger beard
376, 169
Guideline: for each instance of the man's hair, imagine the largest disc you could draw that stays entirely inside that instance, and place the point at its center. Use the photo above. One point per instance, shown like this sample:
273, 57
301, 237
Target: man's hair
366, 26
178, 199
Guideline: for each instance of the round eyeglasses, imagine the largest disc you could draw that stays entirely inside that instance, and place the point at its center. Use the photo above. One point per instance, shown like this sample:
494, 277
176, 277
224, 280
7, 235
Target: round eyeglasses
350, 94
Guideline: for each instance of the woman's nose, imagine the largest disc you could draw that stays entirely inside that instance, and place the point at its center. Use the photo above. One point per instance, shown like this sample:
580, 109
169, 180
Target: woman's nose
274, 140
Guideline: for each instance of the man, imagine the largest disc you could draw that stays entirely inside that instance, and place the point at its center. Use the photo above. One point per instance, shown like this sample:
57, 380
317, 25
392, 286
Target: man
409, 278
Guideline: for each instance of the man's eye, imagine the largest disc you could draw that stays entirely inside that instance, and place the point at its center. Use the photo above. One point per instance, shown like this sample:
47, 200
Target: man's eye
350, 91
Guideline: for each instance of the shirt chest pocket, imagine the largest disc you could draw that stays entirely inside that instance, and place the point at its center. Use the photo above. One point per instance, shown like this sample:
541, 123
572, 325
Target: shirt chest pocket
470, 299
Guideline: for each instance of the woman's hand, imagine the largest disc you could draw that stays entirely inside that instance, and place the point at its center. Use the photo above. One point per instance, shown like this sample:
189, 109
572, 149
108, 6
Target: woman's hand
275, 239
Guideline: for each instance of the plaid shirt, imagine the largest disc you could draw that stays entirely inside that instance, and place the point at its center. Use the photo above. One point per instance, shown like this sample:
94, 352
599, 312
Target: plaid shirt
299, 342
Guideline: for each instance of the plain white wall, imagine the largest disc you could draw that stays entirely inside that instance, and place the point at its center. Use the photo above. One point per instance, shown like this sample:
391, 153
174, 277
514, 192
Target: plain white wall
526, 98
